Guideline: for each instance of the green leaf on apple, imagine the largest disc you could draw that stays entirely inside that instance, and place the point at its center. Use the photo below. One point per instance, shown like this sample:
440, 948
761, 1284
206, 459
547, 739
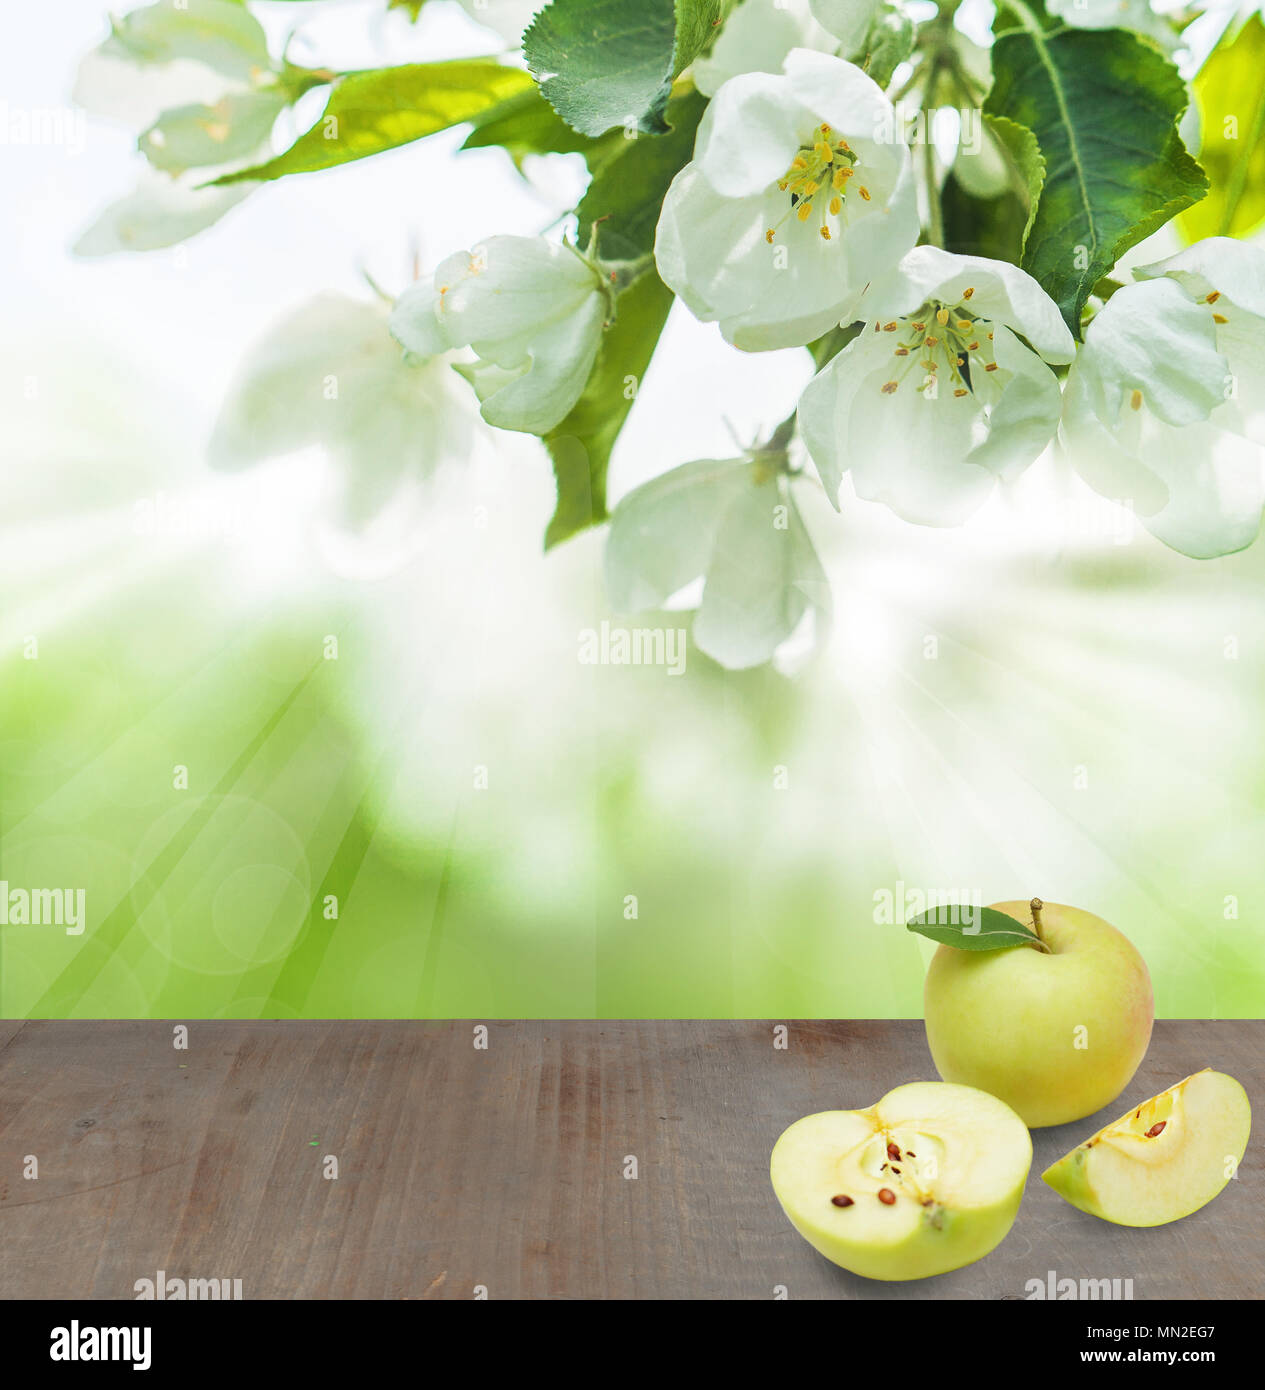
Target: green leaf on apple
970, 928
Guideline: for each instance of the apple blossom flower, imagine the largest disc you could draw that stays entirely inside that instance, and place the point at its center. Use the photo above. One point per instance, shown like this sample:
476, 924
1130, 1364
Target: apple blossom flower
1165, 404
847, 20
197, 84
799, 194
532, 311
1114, 14
735, 524
937, 397
329, 375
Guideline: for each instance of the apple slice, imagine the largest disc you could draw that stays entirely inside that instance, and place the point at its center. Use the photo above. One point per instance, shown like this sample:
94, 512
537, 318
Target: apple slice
1164, 1159
926, 1180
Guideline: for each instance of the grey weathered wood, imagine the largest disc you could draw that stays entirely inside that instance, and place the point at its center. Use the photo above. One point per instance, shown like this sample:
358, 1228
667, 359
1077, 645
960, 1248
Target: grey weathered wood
504, 1167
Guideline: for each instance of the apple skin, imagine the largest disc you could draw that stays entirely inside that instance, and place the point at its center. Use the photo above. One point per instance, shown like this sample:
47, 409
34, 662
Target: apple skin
1006, 1021
963, 1238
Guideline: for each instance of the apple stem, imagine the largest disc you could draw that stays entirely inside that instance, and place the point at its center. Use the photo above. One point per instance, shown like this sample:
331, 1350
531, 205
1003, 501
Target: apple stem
1036, 905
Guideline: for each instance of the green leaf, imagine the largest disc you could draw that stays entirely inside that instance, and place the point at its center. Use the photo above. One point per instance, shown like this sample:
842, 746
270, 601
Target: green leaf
970, 928
606, 63
1230, 91
1104, 107
369, 112
581, 445
627, 191
526, 124
996, 227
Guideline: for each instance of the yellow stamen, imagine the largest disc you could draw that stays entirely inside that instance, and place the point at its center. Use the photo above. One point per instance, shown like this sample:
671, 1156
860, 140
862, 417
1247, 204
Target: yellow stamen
863, 191
1220, 318
1213, 297
889, 387
825, 233
990, 366
966, 294
889, 328
902, 352
961, 391
942, 316
804, 211
768, 236
1135, 400
836, 206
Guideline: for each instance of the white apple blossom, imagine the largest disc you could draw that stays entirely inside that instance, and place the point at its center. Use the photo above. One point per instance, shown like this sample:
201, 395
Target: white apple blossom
509, 18
532, 311
799, 194
195, 80
735, 523
329, 375
937, 398
1165, 404
847, 20
1114, 14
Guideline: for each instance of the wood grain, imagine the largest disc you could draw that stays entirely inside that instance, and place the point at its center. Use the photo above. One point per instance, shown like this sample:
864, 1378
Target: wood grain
505, 1168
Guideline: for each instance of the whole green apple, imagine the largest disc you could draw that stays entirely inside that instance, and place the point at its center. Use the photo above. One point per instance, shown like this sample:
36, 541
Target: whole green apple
1055, 1029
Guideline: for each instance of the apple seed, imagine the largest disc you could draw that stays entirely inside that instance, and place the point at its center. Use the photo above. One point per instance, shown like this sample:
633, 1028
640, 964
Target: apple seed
841, 1200
886, 1196
1156, 1130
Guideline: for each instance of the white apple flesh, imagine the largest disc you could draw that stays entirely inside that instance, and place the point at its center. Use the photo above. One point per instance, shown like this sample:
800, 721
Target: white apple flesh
925, 1181
1164, 1159
1055, 1033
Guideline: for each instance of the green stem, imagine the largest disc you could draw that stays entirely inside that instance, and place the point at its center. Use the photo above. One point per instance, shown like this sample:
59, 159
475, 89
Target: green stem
935, 213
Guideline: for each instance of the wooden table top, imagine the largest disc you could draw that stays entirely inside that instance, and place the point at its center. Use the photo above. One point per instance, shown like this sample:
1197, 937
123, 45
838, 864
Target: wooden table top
508, 1167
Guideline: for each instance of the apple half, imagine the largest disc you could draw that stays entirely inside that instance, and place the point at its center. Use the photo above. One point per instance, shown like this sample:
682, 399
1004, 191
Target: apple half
927, 1180
1163, 1160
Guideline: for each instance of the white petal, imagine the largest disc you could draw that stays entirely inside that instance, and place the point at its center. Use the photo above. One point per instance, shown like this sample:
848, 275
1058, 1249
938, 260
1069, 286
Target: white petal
847, 20
1150, 337
509, 18
763, 577
414, 323
905, 449
1026, 416
662, 534
160, 211
749, 134
756, 38
136, 95
559, 359
712, 251
499, 295
1226, 265
1198, 488
1002, 293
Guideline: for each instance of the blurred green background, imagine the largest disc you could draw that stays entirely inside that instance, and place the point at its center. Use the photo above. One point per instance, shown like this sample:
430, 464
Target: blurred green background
1045, 702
